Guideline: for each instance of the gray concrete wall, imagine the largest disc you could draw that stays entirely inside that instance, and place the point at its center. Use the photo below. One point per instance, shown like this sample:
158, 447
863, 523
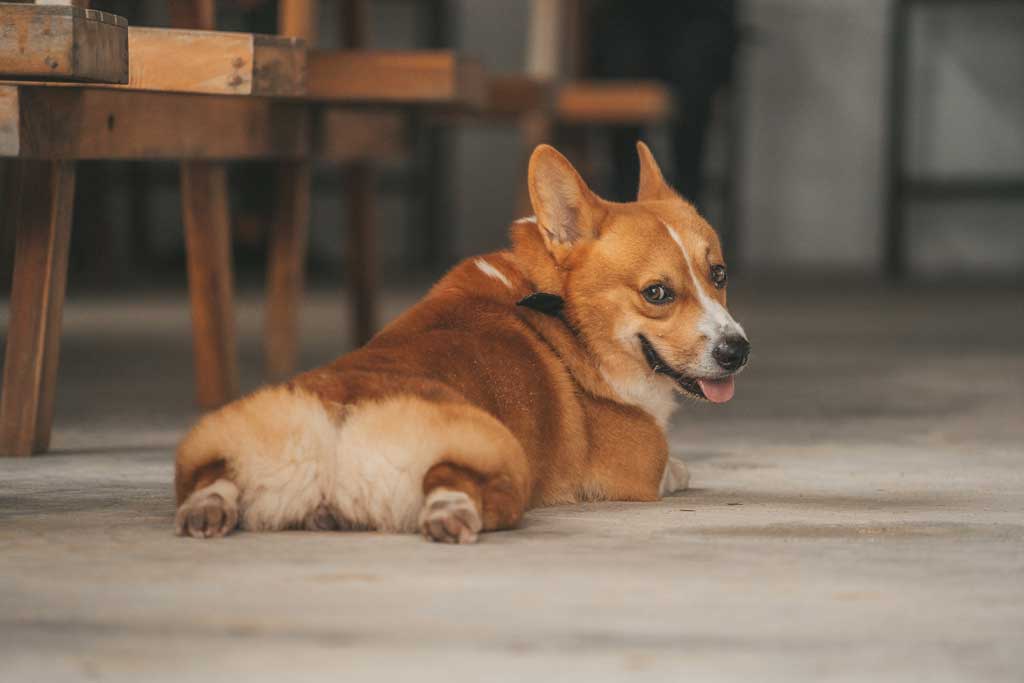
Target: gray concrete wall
812, 194
813, 190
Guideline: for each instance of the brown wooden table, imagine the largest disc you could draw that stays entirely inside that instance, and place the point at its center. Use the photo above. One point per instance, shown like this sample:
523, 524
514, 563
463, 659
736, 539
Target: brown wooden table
204, 98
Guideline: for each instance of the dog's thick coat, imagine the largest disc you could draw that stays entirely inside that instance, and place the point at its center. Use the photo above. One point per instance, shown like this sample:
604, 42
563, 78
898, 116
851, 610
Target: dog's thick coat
471, 408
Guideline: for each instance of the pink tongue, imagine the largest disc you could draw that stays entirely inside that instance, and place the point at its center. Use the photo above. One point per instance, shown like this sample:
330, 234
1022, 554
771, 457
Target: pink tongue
718, 390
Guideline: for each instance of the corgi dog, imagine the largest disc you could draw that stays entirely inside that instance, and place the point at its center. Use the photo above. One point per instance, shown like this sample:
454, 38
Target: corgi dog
538, 375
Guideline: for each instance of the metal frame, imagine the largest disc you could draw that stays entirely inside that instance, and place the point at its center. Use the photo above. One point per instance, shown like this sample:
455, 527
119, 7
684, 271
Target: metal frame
900, 187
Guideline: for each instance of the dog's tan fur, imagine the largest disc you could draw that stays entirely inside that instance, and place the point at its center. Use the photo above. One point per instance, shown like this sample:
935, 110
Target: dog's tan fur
468, 409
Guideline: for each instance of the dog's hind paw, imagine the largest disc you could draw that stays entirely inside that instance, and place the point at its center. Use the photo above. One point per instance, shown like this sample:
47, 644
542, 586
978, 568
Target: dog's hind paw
209, 512
675, 478
450, 517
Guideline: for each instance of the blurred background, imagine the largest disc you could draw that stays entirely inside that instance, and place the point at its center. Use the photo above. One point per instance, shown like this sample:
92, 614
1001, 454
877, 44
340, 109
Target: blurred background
799, 107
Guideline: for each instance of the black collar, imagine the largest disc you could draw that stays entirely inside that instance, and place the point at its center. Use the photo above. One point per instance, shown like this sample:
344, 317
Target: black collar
543, 302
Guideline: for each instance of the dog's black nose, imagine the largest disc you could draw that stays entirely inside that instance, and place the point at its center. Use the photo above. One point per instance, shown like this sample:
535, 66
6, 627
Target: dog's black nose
731, 353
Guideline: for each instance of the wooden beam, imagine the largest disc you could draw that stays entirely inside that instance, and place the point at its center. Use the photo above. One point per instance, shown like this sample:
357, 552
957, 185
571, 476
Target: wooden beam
279, 66
216, 62
62, 42
43, 122
40, 210
417, 77
208, 62
512, 96
614, 102
350, 135
36, 122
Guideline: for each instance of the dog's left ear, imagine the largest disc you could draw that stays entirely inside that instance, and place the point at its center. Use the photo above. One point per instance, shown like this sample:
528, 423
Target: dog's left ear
652, 183
565, 207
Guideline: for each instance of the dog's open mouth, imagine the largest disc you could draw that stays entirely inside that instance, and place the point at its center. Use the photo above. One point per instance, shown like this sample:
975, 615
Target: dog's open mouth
714, 390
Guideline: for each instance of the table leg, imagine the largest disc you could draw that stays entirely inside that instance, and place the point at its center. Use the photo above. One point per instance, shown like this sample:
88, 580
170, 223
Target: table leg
204, 198
361, 251
289, 238
39, 204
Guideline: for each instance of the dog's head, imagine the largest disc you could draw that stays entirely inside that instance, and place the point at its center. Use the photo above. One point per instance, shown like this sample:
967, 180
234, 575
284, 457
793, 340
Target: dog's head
643, 283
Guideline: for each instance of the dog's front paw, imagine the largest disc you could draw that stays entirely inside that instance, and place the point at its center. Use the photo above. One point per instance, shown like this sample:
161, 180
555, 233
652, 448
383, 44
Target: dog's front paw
209, 512
450, 517
675, 478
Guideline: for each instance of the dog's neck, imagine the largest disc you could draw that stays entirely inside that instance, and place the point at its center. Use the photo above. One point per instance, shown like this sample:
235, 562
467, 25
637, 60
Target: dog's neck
557, 328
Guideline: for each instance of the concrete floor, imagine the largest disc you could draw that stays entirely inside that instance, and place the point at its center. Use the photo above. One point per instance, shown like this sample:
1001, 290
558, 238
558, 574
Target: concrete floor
857, 514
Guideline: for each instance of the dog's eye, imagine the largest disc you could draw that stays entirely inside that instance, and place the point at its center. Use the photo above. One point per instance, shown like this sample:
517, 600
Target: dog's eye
658, 294
718, 276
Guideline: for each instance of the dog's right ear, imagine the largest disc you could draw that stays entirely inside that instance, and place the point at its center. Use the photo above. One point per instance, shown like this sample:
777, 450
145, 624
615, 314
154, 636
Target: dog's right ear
565, 207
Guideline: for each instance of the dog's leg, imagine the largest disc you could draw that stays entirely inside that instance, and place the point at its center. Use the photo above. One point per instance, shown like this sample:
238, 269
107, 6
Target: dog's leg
452, 515
460, 502
209, 512
676, 477
258, 464
617, 471
481, 483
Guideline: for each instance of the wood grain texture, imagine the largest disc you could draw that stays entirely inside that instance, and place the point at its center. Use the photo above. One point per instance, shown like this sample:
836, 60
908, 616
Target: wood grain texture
280, 66
105, 123
40, 209
183, 60
204, 200
426, 76
216, 62
289, 237
62, 43
639, 102
348, 135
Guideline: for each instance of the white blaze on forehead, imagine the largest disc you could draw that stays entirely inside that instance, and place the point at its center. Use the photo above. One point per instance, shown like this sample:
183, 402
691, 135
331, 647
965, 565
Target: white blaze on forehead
490, 271
716, 322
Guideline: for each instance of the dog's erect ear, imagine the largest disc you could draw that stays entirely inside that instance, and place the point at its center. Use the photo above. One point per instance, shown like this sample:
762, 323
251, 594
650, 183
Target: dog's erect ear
652, 183
565, 207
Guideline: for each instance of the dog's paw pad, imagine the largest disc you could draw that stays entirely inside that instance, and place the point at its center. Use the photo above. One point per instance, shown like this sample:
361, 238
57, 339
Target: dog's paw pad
450, 517
676, 477
206, 514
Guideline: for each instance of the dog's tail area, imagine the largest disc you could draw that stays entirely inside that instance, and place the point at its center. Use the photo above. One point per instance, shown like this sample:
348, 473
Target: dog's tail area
265, 426
272, 447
